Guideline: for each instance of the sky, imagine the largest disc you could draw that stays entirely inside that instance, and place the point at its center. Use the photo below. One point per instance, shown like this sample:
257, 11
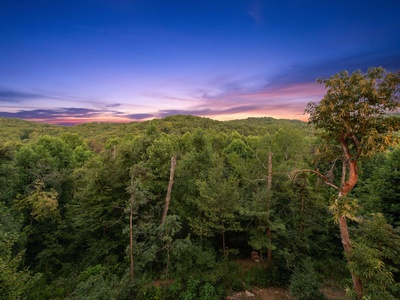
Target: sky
67, 62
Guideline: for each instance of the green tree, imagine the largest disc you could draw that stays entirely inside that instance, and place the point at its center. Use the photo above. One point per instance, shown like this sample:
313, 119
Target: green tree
380, 191
376, 257
139, 196
354, 116
95, 213
14, 280
218, 205
44, 169
42, 204
8, 172
194, 165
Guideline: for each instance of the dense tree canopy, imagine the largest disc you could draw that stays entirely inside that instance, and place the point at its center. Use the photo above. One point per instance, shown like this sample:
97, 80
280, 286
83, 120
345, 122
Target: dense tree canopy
81, 210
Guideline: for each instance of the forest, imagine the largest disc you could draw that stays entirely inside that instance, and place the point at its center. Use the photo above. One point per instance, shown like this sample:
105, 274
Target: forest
168, 208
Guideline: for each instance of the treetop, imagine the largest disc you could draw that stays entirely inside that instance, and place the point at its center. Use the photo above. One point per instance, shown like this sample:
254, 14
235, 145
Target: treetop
359, 107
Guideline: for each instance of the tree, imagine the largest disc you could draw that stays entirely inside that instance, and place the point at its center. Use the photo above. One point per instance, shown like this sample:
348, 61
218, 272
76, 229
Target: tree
355, 115
218, 205
170, 183
381, 186
138, 197
376, 257
44, 188
14, 281
42, 204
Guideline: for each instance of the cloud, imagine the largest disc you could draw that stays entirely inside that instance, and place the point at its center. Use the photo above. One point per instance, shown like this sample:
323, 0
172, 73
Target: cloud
139, 117
75, 115
17, 97
113, 105
205, 111
22, 96
285, 93
233, 98
49, 114
288, 91
301, 73
195, 111
255, 11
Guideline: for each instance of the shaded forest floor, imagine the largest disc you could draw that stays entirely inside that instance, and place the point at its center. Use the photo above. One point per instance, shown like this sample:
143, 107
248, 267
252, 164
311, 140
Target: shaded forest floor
276, 293
330, 291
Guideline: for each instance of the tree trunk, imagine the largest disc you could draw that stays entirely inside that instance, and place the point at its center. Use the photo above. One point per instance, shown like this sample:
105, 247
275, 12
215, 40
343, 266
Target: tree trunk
351, 163
131, 241
269, 192
347, 185
171, 182
344, 234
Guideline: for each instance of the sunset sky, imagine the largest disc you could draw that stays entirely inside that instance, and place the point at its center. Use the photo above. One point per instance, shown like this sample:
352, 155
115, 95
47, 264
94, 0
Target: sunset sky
67, 61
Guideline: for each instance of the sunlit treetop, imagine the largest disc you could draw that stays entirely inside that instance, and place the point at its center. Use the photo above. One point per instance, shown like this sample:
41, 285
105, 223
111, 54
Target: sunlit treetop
359, 110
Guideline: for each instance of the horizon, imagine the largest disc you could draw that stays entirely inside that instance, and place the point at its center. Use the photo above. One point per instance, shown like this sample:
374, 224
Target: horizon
68, 124
72, 62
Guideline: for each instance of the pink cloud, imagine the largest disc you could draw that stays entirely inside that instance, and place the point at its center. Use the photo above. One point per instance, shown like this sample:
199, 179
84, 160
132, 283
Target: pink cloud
282, 101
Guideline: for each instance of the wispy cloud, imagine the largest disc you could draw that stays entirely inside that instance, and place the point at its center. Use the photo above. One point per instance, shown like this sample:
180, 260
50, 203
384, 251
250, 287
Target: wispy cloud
284, 94
303, 73
18, 96
75, 115
49, 114
27, 97
255, 11
113, 105
140, 117
205, 111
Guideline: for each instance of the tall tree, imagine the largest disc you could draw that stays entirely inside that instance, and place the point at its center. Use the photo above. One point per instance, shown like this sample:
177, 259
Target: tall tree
138, 197
354, 114
218, 204
170, 183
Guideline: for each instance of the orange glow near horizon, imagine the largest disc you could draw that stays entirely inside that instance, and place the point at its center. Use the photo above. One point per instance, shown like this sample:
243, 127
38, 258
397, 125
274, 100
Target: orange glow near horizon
222, 117
76, 121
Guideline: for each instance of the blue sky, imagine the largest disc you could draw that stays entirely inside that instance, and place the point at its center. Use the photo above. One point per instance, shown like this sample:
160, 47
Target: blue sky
68, 61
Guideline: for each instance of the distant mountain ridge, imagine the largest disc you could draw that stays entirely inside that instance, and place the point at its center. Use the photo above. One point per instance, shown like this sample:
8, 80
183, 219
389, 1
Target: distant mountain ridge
21, 130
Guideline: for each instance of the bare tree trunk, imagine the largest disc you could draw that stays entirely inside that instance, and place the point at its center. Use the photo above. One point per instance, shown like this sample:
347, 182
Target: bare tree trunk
269, 192
171, 182
131, 241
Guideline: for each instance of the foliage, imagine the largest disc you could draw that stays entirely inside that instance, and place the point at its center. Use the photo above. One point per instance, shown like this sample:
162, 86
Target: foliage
275, 274
355, 109
376, 257
355, 121
380, 186
344, 207
67, 194
96, 283
15, 281
42, 204
304, 283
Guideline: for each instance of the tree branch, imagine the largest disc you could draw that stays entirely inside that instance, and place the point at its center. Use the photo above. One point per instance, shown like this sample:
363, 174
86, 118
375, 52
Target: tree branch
319, 174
